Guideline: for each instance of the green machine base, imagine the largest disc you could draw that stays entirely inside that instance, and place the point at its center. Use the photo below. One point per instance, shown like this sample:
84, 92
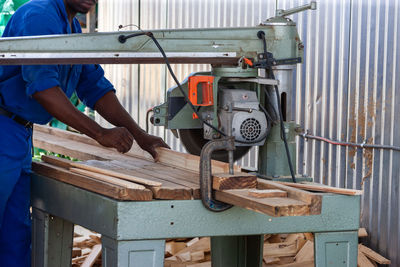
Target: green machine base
134, 232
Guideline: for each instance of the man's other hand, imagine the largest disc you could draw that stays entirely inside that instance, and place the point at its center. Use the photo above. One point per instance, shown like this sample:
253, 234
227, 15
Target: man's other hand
149, 143
118, 137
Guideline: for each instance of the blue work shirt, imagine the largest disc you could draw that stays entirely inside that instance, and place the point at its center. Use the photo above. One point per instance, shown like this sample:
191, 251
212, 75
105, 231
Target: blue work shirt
19, 83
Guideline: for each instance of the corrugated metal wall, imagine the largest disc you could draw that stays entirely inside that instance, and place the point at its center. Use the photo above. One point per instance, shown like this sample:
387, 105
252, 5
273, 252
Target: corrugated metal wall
347, 89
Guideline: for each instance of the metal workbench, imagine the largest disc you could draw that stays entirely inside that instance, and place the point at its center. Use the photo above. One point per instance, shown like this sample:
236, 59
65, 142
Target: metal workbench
134, 233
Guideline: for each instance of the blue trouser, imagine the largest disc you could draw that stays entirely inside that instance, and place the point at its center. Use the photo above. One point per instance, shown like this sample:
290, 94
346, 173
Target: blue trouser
15, 168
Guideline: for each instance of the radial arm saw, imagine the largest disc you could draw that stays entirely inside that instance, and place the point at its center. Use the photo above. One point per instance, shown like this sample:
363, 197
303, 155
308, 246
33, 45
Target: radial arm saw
244, 101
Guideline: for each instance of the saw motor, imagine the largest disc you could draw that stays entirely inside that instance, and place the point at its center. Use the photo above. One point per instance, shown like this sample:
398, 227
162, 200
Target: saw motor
239, 113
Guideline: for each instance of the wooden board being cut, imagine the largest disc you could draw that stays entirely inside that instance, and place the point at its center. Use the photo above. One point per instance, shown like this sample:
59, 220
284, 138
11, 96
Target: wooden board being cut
133, 176
64, 142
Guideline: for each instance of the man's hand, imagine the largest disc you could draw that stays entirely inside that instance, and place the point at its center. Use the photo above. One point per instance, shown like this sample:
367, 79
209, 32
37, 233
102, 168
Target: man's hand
149, 143
118, 116
118, 137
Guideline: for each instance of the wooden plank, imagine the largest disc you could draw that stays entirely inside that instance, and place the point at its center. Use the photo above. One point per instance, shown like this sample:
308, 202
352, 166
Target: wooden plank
109, 179
168, 190
362, 232
163, 173
116, 174
267, 193
187, 178
373, 255
65, 163
71, 148
57, 161
306, 253
314, 200
65, 134
241, 180
272, 206
270, 260
172, 247
294, 237
93, 256
363, 261
190, 162
139, 190
78, 259
204, 244
101, 187
323, 188
76, 252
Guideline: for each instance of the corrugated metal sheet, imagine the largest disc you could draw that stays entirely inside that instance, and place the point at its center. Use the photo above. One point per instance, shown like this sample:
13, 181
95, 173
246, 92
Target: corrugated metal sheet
347, 89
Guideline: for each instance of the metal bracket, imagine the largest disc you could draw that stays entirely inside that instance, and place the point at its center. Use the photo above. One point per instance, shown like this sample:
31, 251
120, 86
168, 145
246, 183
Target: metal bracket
206, 172
283, 13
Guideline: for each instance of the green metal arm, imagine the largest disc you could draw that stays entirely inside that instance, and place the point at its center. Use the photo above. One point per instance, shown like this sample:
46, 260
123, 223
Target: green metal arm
214, 46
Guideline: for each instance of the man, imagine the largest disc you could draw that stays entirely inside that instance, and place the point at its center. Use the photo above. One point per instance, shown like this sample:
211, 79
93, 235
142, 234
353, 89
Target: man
35, 94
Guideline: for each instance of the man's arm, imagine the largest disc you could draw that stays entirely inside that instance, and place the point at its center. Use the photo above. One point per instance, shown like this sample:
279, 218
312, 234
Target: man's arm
57, 104
111, 109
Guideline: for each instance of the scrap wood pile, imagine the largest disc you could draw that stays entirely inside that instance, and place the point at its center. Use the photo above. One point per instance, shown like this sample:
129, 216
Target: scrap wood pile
367, 257
86, 251
297, 250
135, 176
280, 250
194, 252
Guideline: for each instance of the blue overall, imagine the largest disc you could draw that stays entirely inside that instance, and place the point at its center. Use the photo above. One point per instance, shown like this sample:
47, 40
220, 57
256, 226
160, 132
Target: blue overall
17, 85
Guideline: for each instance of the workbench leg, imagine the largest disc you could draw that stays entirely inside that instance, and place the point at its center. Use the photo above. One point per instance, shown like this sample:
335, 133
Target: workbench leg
51, 240
336, 249
237, 251
132, 253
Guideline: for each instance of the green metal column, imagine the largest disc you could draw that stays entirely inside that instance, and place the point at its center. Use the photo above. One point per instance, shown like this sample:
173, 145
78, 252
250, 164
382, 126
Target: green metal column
237, 251
336, 249
52, 240
132, 253
273, 159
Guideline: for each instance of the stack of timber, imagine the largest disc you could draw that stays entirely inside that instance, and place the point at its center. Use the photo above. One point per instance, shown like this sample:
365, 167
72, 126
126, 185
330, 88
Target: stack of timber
135, 176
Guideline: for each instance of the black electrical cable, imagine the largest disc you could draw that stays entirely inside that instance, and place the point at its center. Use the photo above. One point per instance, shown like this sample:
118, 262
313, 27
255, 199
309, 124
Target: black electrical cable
266, 113
150, 34
269, 70
269, 103
123, 38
